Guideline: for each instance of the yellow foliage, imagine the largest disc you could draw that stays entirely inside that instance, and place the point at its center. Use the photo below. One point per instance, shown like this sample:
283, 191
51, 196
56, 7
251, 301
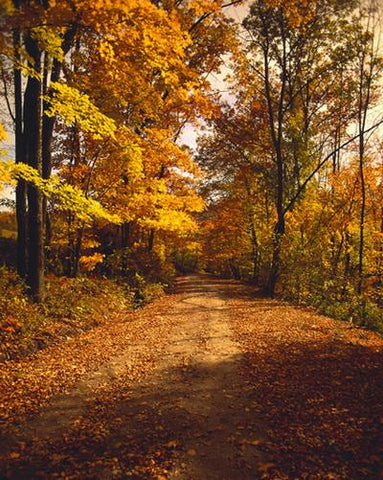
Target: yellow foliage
68, 197
170, 221
89, 262
77, 108
3, 133
6, 7
49, 40
202, 7
90, 243
298, 12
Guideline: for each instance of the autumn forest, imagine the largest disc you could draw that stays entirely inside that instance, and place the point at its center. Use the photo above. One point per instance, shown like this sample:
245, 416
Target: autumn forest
157, 148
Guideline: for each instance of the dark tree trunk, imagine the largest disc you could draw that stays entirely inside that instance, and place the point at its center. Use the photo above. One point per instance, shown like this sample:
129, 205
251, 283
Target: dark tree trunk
347, 262
21, 199
255, 252
47, 132
32, 144
151, 241
276, 135
362, 217
69, 264
279, 232
125, 234
366, 75
48, 123
380, 261
77, 251
235, 270
253, 232
279, 229
72, 224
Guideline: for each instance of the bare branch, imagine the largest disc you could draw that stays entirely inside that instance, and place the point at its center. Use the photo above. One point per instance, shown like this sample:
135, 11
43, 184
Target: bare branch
6, 95
324, 161
206, 15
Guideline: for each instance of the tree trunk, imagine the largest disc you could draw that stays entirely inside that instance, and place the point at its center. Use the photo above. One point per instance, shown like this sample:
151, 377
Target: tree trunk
380, 260
276, 135
32, 143
279, 229
77, 251
125, 234
347, 262
255, 252
151, 240
48, 123
21, 199
47, 132
279, 232
362, 216
366, 75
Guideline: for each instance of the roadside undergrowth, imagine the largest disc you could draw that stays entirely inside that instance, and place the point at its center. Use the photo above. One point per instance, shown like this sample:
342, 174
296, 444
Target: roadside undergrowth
72, 307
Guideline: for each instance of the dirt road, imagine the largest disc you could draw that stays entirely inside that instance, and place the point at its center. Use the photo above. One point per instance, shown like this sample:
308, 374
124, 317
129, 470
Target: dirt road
216, 388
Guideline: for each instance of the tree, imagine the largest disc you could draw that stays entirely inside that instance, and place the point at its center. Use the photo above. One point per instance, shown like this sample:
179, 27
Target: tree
368, 65
124, 78
291, 52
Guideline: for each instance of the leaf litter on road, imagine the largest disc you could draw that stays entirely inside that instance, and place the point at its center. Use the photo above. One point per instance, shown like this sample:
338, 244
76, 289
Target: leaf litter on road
312, 384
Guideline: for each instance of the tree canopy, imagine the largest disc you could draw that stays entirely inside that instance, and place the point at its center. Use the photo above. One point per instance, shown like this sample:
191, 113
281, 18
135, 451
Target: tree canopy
284, 187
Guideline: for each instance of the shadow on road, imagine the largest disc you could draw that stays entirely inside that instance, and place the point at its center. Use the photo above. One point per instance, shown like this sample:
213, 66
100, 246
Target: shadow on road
285, 409
138, 433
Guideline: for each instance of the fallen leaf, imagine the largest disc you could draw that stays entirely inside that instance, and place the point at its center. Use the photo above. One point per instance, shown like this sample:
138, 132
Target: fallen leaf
14, 455
255, 442
172, 444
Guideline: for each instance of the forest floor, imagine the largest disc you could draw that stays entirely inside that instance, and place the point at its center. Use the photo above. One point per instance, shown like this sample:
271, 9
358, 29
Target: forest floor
211, 382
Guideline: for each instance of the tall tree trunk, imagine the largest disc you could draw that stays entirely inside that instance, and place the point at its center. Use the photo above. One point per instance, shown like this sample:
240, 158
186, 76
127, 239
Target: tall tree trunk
47, 133
279, 232
366, 75
77, 250
32, 142
380, 261
276, 135
362, 216
347, 262
253, 231
69, 264
48, 123
21, 189
125, 234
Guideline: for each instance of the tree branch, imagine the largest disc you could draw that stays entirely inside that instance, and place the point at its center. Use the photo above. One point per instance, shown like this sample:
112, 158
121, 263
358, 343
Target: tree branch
6, 96
323, 162
208, 14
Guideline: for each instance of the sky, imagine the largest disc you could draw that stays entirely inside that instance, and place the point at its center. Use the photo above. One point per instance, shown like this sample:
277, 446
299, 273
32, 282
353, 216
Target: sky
190, 133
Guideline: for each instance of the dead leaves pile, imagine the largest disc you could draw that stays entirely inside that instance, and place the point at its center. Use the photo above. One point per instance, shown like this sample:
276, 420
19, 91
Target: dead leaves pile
90, 447
27, 384
312, 383
317, 385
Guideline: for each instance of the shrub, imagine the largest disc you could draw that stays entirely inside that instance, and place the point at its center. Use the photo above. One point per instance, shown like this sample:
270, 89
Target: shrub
146, 292
72, 306
19, 318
